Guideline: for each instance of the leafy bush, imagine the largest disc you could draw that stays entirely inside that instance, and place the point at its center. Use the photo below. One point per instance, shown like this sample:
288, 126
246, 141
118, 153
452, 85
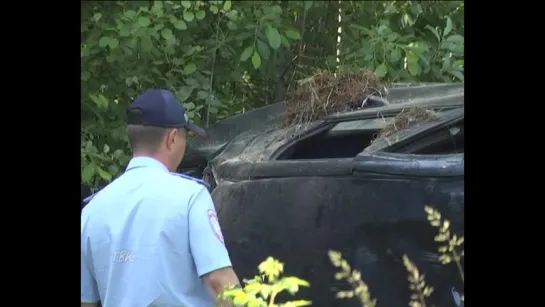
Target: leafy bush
262, 289
225, 57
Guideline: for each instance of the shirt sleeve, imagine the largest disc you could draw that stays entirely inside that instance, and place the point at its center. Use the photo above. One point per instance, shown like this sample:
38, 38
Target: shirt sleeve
89, 290
205, 236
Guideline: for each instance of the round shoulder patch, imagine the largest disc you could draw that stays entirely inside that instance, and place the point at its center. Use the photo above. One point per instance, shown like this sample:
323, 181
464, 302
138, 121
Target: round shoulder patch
215, 224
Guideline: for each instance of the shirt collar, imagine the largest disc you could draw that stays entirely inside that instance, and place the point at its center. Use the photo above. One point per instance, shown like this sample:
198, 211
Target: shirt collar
140, 162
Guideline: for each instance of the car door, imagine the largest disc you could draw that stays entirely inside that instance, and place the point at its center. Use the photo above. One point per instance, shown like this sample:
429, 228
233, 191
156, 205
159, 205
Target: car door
421, 166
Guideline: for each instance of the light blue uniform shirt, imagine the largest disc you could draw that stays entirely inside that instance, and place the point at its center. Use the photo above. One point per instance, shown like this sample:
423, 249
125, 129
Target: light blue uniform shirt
147, 237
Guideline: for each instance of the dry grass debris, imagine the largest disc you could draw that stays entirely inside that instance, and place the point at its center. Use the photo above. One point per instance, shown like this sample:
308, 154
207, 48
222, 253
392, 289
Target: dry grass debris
408, 118
324, 93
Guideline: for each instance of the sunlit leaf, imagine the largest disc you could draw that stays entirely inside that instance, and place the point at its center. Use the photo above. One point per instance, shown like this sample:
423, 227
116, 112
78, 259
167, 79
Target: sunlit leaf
273, 37
256, 60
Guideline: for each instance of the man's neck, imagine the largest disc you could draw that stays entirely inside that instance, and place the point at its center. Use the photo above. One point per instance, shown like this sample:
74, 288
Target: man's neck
157, 157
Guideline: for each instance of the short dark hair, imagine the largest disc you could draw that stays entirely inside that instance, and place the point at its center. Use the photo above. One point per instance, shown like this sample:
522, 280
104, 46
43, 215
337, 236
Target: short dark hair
145, 137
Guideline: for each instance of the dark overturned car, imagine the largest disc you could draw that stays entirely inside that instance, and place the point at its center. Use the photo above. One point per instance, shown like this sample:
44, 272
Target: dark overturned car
340, 183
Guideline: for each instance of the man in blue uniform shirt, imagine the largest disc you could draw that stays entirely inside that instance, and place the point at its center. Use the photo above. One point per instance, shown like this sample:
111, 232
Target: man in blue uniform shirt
152, 237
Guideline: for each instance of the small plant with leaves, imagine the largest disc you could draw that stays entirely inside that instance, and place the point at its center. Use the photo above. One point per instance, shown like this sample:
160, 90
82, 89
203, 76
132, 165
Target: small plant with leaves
353, 277
262, 290
420, 291
451, 246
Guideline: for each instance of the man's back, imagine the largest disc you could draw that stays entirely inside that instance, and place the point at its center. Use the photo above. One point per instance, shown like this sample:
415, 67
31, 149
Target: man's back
133, 236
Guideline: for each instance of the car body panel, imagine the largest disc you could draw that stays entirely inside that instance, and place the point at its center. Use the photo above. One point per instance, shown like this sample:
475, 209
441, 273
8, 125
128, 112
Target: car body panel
373, 219
370, 206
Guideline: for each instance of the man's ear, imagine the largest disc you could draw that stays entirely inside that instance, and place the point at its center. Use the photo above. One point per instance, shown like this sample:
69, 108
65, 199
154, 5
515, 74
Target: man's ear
171, 137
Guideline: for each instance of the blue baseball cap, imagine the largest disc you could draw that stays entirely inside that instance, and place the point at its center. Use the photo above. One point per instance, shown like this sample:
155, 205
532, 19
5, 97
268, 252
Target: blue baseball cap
160, 108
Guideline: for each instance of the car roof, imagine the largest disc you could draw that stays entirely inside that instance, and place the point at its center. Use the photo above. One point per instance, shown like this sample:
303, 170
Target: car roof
402, 96
255, 135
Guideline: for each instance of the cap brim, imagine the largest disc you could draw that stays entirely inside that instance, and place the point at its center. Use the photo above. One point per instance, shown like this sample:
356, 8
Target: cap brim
196, 129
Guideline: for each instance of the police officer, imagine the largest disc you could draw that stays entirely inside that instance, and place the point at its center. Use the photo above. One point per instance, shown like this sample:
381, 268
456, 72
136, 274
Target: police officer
152, 237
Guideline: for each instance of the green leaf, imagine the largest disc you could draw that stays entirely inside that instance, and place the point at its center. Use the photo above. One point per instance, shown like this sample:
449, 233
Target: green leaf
97, 17
95, 99
412, 64
420, 47
276, 10
457, 74
293, 34
103, 101
395, 55
273, 36
125, 31
106, 149
231, 25
184, 92
214, 9
118, 153
186, 4
244, 35
113, 43
232, 15
298, 303
157, 8
87, 173
104, 174
166, 33
202, 95
189, 16
434, 31
144, 21
146, 43
193, 82
130, 14
180, 25
113, 169
446, 62
285, 41
247, 53
448, 27
104, 41
190, 68
189, 106
457, 39
256, 60
263, 49
308, 5
240, 299
200, 14
381, 70
392, 37
227, 5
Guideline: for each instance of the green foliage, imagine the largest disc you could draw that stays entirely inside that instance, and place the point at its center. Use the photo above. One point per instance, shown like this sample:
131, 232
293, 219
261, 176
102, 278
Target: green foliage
261, 291
411, 41
222, 58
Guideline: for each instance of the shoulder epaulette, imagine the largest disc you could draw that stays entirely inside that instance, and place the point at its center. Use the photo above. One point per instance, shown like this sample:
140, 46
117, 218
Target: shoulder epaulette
100, 188
88, 198
199, 181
